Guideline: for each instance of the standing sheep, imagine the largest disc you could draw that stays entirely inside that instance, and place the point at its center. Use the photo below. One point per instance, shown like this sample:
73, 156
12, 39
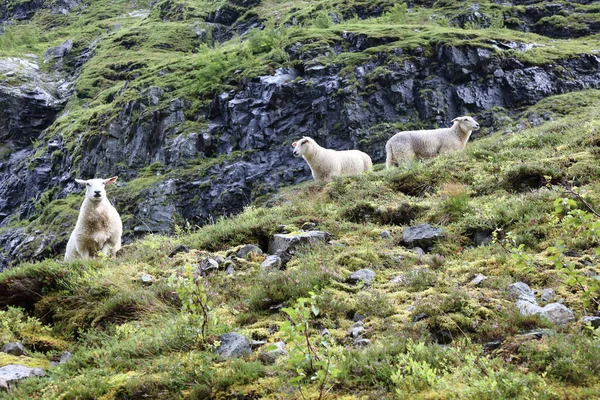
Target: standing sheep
98, 227
407, 145
326, 163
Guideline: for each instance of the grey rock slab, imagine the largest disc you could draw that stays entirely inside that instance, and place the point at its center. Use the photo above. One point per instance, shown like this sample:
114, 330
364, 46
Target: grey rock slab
422, 235
247, 249
558, 313
233, 345
13, 348
362, 275
478, 279
521, 291
14, 372
286, 244
272, 262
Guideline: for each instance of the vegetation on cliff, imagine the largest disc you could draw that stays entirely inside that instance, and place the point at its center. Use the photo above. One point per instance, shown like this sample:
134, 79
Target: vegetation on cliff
520, 204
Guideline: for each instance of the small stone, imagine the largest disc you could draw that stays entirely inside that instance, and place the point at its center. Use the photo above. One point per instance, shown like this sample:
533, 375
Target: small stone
14, 349
66, 356
233, 345
419, 317
358, 317
147, 279
272, 262
593, 321
270, 356
254, 344
363, 275
547, 295
521, 291
325, 332
308, 226
478, 279
420, 252
490, 346
180, 248
356, 329
385, 235
229, 270
207, 266
362, 342
572, 253
248, 249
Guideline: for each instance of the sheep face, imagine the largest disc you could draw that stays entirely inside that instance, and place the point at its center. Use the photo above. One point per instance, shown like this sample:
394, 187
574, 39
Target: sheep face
301, 146
94, 188
467, 123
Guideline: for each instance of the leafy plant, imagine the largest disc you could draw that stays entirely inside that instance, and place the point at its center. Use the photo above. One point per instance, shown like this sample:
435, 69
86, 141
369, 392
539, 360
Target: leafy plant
315, 360
195, 304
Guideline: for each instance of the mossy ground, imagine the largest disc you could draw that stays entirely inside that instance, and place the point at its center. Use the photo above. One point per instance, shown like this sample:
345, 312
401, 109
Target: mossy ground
130, 339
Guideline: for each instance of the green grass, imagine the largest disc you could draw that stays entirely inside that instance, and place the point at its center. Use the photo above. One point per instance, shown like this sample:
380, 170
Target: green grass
132, 340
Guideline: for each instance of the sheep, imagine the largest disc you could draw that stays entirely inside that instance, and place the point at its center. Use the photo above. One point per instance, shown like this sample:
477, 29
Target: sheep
98, 226
327, 163
407, 145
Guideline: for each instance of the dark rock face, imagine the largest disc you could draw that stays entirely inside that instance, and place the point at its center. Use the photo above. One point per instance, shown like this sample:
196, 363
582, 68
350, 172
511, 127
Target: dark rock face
251, 128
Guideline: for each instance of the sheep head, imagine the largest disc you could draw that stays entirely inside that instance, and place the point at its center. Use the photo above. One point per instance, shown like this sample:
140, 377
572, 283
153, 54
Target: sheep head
301, 146
467, 124
94, 188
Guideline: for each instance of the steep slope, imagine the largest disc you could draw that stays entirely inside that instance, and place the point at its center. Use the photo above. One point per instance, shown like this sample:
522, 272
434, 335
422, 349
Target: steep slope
427, 329
193, 103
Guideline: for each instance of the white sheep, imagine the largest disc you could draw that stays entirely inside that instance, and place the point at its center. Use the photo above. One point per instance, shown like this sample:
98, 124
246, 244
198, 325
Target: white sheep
408, 145
99, 225
327, 163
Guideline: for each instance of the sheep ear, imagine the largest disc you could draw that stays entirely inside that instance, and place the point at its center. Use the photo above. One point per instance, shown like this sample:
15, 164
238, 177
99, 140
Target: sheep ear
110, 180
294, 144
81, 181
456, 119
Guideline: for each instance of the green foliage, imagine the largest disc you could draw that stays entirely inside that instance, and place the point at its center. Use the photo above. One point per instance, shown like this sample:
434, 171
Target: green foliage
427, 370
195, 303
322, 20
396, 14
312, 359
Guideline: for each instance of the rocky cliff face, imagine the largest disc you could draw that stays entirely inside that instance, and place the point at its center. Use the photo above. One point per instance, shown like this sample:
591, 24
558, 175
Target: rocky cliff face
244, 140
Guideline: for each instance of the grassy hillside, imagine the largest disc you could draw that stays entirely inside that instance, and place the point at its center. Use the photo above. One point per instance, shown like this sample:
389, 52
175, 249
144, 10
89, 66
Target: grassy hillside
520, 204
428, 333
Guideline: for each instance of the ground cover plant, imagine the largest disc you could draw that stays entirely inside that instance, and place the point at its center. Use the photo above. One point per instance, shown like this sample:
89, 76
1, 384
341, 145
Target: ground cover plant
520, 203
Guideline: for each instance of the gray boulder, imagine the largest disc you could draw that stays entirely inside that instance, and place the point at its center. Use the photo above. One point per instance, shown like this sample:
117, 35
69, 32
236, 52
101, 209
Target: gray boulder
422, 235
14, 372
233, 345
14, 348
558, 313
247, 249
285, 245
272, 262
362, 275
